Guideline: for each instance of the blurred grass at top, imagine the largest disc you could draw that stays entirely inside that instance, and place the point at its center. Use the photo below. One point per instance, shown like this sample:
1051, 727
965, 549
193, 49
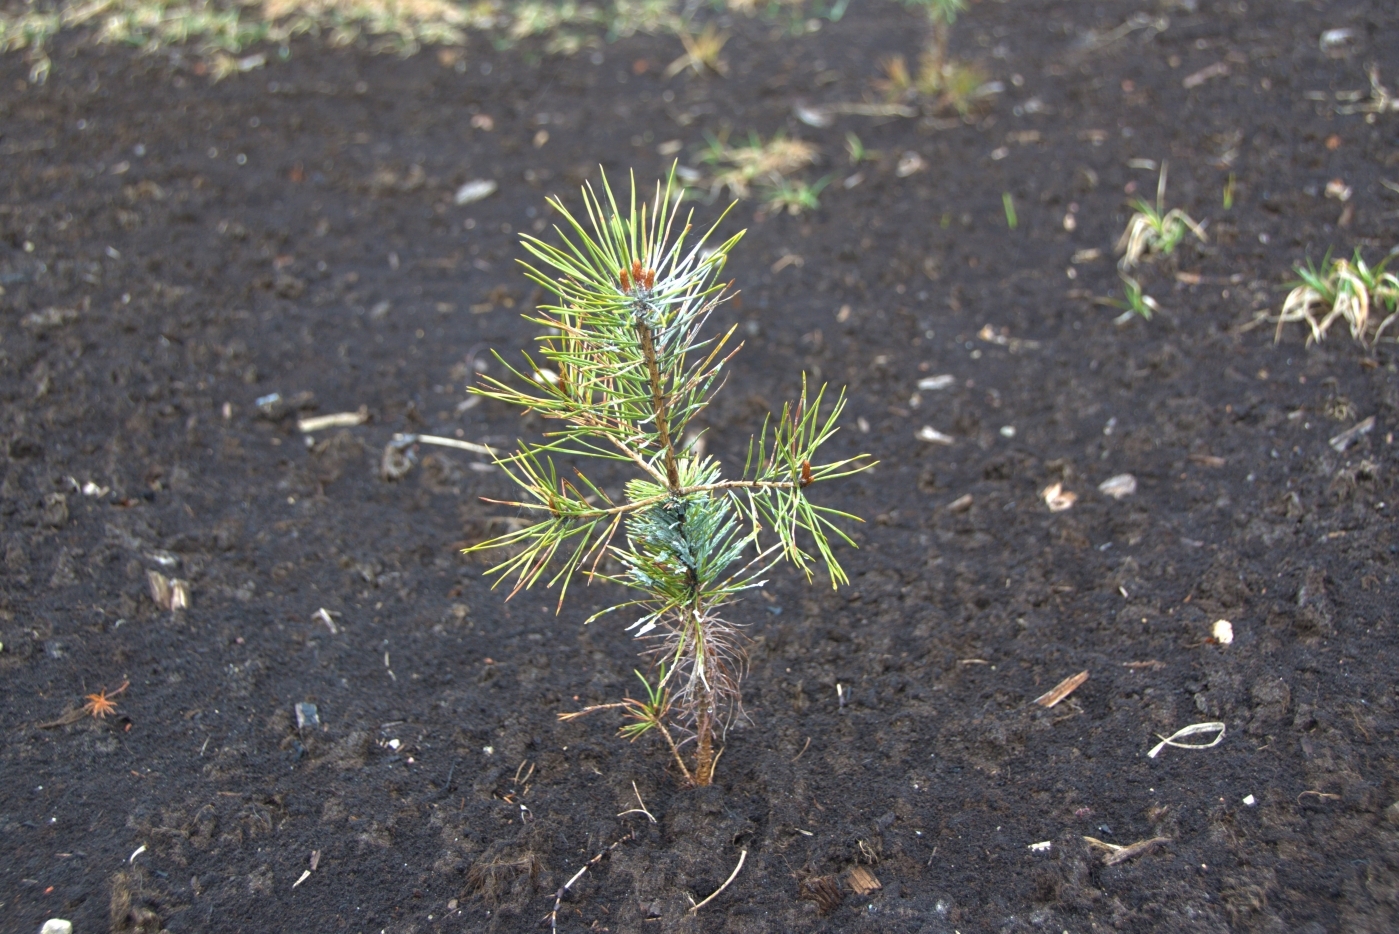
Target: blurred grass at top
220, 29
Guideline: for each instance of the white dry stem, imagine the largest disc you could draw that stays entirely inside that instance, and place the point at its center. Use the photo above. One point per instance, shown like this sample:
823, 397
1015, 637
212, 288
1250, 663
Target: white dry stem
639, 810
335, 420
1192, 730
743, 855
403, 441
1344, 440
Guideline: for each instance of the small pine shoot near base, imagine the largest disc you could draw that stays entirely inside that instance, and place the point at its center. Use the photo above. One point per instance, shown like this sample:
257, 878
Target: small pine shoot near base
625, 369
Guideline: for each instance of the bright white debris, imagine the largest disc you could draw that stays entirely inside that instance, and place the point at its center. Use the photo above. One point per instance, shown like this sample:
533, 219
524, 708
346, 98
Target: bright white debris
475, 191
1041, 847
933, 436
1250, 800
56, 926
1223, 631
941, 381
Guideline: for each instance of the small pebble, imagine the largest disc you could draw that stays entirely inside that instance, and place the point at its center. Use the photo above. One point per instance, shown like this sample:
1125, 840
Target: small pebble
307, 717
1250, 800
1118, 487
1223, 631
56, 926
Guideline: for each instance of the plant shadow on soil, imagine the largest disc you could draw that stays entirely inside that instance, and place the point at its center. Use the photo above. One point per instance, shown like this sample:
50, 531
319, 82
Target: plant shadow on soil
175, 250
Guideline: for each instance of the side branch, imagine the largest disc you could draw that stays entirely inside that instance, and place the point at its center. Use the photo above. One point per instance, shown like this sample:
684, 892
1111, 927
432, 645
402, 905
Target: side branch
635, 505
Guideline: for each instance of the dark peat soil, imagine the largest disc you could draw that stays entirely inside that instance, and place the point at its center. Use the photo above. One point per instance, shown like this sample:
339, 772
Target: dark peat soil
173, 250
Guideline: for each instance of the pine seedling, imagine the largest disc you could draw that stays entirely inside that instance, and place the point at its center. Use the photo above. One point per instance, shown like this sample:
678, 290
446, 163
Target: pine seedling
941, 15
625, 368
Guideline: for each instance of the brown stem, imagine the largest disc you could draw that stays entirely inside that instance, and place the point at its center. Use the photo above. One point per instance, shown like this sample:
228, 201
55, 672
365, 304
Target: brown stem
658, 405
704, 713
937, 46
704, 750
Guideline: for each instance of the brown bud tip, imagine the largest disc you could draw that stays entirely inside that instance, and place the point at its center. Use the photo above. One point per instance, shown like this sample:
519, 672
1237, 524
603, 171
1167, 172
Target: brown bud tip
650, 278
626, 280
636, 270
806, 474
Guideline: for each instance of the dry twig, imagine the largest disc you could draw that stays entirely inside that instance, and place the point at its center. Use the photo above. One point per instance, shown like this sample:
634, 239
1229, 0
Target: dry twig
553, 916
1115, 854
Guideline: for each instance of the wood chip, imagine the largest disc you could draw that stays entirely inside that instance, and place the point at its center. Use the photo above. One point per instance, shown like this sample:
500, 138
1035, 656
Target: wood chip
168, 593
1057, 498
862, 881
1062, 690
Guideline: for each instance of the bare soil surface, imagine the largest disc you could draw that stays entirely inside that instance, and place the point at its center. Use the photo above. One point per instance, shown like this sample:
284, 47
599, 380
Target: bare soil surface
172, 250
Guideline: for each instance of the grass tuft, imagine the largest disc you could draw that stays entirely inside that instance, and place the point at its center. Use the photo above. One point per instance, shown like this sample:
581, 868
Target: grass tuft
1365, 297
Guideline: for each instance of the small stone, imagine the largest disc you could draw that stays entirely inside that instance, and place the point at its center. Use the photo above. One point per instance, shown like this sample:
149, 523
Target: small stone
1118, 487
56, 926
307, 717
271, 406
1250, 800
